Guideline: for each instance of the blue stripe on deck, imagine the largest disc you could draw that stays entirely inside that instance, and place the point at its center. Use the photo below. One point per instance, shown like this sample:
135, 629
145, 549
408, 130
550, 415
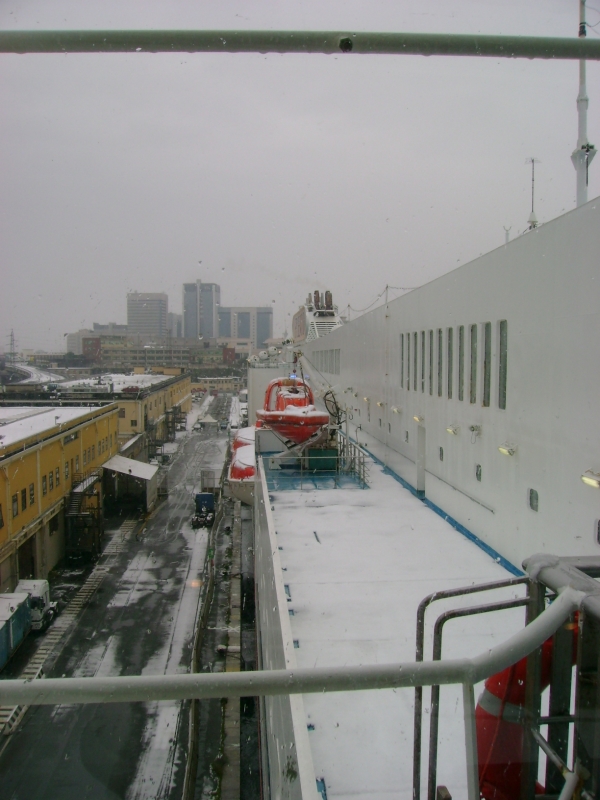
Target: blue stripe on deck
499, 559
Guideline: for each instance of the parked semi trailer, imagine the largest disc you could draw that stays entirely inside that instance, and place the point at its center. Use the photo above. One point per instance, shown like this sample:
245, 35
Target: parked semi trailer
15, 623
43, 610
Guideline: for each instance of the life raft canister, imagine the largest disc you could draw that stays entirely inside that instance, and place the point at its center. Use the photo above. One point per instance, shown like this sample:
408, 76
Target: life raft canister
499, 719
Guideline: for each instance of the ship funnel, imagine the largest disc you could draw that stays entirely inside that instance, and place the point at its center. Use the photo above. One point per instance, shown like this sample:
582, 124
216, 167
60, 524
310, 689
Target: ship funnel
328, 300
317, 300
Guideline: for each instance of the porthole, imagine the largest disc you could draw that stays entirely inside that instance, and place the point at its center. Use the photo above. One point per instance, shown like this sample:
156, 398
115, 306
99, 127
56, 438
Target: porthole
441, 453
534, 502
478, 471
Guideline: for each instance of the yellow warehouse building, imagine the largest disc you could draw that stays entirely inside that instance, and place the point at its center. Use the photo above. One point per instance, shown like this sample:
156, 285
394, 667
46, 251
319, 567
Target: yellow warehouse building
45, 451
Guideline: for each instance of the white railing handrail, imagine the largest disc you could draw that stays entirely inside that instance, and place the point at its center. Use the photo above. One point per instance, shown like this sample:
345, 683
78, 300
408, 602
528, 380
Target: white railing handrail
326, 42
127, 689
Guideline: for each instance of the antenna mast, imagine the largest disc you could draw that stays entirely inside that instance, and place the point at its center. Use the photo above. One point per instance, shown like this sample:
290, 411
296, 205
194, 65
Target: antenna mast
533, 223
584, 152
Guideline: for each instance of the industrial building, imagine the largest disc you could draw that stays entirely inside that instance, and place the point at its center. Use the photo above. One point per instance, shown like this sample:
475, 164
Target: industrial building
50, 483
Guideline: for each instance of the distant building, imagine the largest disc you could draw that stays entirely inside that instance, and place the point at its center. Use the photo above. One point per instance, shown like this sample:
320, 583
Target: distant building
110, 329
254, 324
174, 325
74, 341
147, 313
201, 310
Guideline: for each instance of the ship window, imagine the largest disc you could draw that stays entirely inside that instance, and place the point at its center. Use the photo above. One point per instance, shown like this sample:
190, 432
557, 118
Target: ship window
441, 453
402, 360
422, 361
121, 412
380, 422
473, 366
430, 362
487, 362
478, 471
416, 355
502, 365
534, 501
461, 362
596, 526
296, 643
291, 612
406, 436
408, 361
439, 364
389, 427
450, 361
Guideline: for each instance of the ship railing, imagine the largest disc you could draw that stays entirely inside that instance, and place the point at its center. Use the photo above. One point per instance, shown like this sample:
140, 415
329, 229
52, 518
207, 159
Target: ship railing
573, 591
353, 459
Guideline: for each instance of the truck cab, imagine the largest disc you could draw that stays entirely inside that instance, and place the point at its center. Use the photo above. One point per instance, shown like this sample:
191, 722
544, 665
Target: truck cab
43, 610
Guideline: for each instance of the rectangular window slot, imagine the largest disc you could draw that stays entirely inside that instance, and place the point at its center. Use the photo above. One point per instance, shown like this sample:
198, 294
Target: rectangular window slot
287, 591
408, 361
422, 362
473, 366
431, 362
478, 472
310, 726
450, 361
321, 788
416, 356
291, 612
402, 361
440, 366
461, 362
487, 363
296, 643
502, 364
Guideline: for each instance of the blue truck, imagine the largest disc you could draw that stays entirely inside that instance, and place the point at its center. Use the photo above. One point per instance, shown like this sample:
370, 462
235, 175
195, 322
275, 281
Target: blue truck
15, 623
205, 510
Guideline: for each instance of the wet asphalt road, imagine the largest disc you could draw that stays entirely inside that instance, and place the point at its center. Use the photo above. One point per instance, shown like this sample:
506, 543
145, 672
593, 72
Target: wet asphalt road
140, 621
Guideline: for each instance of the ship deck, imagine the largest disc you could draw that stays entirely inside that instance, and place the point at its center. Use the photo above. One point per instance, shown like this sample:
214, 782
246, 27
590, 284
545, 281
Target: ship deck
356, 563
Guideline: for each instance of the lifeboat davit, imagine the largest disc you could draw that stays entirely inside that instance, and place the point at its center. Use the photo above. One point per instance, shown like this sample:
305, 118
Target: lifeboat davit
242, 472
290, 411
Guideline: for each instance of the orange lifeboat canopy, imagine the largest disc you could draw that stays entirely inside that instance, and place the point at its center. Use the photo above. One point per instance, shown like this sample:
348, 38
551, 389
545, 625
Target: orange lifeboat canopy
289, 410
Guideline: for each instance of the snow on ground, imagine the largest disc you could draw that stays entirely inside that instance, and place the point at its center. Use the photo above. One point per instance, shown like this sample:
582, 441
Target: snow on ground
357, 563
163, 718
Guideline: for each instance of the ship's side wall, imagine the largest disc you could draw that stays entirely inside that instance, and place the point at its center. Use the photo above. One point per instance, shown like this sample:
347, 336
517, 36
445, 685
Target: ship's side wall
289, 758
545, 288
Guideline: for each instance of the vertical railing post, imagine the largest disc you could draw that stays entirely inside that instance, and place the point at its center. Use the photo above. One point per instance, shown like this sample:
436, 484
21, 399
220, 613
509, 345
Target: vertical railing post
470, 741
537, 595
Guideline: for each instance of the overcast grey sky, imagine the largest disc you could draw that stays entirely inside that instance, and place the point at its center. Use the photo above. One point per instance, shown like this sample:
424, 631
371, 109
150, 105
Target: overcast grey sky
280, 173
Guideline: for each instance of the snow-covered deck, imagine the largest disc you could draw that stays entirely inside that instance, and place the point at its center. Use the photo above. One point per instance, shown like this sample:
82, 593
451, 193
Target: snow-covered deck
355, 565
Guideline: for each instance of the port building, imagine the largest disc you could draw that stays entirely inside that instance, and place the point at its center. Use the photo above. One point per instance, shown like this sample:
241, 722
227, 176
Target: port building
46, 453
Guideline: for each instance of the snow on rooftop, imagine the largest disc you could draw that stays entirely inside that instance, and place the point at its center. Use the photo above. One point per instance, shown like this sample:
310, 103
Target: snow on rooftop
119, 381
357, 563
23, 422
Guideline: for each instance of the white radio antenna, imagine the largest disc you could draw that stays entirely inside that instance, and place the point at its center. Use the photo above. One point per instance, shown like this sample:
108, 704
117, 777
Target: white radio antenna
533, 223
584, 152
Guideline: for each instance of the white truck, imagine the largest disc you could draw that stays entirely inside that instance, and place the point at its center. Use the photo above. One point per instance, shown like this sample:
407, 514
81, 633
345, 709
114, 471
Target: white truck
43, 611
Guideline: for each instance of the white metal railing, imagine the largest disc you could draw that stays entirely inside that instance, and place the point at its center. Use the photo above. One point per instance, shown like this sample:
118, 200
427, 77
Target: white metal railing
327, 42
467, 672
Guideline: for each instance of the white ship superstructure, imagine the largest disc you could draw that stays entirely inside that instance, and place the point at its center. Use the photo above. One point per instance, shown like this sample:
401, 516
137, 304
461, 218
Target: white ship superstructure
317, 318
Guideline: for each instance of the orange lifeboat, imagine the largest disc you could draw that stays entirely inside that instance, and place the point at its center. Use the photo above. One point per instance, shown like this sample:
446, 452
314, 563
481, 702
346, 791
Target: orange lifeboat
242, 472
289, 410
243, 437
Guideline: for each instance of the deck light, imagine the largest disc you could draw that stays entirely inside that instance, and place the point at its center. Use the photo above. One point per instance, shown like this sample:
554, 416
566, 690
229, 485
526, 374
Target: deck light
508, 449
380, 404
366, 399
419, 419
453, 429
591, 479
396, 410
